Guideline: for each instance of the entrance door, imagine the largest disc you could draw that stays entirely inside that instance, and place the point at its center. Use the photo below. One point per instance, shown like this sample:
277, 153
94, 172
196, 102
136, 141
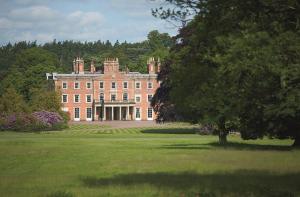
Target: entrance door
137, 113
123, 113
108, 113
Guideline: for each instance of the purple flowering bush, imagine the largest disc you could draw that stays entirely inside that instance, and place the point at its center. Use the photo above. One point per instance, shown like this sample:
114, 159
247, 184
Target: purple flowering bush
48, 118
37, 121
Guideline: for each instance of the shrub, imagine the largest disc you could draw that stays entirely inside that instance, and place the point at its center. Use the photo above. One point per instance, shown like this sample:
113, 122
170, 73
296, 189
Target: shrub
37, 121
52, 120
65, 116
206, 129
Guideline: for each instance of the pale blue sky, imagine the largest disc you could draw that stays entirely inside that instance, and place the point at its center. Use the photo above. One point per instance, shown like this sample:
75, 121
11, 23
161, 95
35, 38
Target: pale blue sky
83, 20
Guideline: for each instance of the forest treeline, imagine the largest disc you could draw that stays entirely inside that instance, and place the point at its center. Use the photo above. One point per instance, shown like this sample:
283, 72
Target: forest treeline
133, 55
23, 65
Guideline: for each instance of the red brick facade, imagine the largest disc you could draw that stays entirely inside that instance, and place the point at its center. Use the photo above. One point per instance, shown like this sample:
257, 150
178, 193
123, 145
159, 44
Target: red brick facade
110, 94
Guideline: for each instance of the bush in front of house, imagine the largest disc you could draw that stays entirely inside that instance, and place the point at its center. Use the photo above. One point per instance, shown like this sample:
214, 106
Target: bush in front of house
52, 120
37, 121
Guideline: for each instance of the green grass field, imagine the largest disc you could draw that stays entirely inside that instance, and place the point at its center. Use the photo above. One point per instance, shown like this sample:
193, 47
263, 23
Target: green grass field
88, 160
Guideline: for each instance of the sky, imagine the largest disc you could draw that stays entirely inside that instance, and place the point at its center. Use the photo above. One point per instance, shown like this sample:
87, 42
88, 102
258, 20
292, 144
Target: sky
80, 20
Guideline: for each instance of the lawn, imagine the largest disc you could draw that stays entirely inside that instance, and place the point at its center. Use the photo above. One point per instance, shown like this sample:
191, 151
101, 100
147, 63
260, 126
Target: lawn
102, 161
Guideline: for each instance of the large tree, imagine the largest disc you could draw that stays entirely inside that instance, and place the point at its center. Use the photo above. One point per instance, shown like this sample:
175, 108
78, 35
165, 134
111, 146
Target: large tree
238, 61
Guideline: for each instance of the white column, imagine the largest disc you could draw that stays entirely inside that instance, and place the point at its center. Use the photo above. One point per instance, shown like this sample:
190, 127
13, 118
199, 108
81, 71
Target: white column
112, 113
127, 113
95, 114
104, 113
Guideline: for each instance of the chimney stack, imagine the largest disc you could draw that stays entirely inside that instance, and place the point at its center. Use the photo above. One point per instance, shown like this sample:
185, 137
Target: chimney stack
151, 65
158, 66
111, 65
93, 69
80, 66
75, 66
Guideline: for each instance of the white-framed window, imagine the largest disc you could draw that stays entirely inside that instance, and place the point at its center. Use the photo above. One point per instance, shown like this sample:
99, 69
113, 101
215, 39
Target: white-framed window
125, 96
150, 113
138, 85
125, 85
88, 113
150, 85
137, 98
88, 85
150, 96
64, 98
88, 98
138, 113
76, 85
64, 85
76, 114
101, 85
113, 97
76, 98
113, 85
101, 96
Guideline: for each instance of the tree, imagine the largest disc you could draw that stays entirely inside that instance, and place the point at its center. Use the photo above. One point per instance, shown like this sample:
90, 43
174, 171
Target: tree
266, 75
238, 62
12, 102
43, 100
28, 71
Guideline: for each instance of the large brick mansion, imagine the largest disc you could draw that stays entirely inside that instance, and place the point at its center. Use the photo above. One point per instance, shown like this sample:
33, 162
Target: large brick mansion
109, 94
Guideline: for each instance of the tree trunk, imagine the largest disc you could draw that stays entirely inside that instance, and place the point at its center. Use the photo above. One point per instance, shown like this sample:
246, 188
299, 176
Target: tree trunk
222, 132
222, 138
297, 141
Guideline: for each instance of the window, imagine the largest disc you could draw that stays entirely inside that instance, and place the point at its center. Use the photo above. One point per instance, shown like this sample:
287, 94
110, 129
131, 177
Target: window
138, 98
125, 96
76, 98
150, 97
88, 113
88, 98
77, 113
113, 85
64, 85
64, 98
150, 85
113, 97
125, 85
138, 85
149, 113
101, 97
101, 84
137, 113
76, 85
88, 85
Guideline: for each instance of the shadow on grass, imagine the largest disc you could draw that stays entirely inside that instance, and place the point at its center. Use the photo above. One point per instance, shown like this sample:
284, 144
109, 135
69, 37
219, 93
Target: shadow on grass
170, 130
238, 183
230, 145
246, 146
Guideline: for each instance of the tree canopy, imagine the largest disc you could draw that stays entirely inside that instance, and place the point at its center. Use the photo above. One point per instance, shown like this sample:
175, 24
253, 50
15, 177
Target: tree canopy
236, 65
